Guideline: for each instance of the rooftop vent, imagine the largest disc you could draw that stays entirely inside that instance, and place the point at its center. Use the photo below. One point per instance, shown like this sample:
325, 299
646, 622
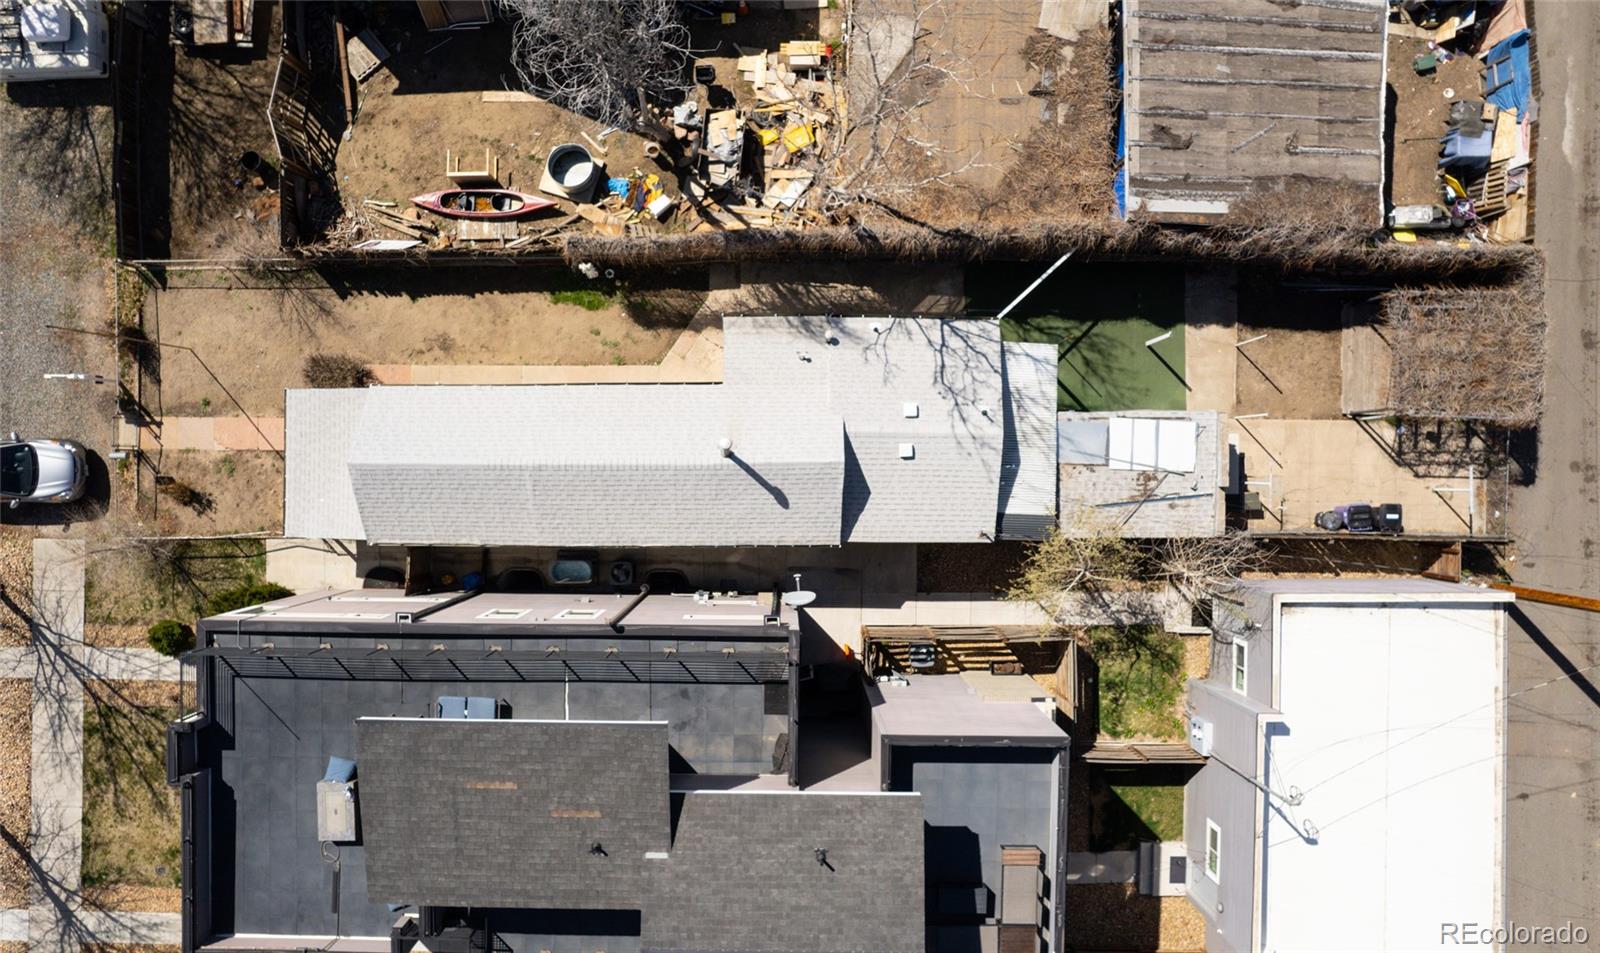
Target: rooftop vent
908, 451
726, 446
910, 409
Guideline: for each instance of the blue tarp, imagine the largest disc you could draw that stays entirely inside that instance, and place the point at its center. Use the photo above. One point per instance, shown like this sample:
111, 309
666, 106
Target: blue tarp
1507, 74
1119, 183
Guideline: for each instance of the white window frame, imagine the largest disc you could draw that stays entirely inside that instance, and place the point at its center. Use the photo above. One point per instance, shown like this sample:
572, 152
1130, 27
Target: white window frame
1239, 674
1213, 858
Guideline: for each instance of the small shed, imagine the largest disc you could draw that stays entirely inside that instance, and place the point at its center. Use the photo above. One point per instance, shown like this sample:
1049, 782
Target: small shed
1234, 99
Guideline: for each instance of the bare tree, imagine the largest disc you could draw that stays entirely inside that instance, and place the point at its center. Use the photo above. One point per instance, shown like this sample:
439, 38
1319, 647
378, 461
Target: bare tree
896, 68
600, 60
1087, 556
1202, 568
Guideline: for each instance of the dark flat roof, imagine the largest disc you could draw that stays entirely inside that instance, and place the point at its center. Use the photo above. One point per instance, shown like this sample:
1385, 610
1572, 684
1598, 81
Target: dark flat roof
513, 813
744, 874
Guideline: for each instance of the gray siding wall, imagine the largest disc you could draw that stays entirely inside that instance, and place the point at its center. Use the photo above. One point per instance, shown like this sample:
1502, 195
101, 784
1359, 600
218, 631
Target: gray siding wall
1228, 800
1231, 618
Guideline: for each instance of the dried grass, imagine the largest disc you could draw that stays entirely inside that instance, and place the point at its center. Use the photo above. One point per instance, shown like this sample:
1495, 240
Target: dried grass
1329, 254
1467, 353
137, 898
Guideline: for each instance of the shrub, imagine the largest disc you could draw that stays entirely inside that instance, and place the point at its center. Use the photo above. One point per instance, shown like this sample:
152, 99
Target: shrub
244, 594
181, 493
171, 637
336, 370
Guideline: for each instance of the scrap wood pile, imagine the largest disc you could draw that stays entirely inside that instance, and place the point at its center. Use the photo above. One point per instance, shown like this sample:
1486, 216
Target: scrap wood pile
382, 225
794, 117
1486, 145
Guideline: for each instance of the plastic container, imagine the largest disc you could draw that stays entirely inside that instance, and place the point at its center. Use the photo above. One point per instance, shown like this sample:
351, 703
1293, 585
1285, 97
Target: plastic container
572, 169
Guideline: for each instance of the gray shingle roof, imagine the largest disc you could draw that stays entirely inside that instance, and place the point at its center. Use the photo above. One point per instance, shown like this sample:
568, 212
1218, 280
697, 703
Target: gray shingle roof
1143, 503
317, 499
632, 465
856, 429
504, 813
950, 369
743, 875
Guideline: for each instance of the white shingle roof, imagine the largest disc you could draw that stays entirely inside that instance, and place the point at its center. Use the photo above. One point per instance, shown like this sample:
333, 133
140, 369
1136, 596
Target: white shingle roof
950, 369
318, 427
1028, 463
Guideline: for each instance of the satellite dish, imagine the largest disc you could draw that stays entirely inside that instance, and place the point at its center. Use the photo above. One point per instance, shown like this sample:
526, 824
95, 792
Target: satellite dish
799, 598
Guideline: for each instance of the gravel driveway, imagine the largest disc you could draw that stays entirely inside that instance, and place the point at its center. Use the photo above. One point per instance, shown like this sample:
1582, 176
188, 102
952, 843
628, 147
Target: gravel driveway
55, 268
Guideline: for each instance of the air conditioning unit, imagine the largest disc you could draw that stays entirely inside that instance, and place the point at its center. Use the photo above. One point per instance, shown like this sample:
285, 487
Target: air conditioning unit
1200, 735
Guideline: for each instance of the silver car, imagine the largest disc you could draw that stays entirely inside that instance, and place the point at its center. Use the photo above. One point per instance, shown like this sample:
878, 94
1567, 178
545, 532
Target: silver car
41, 471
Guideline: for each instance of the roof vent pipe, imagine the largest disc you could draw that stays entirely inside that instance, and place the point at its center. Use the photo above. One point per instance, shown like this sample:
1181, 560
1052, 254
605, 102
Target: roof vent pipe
726, 446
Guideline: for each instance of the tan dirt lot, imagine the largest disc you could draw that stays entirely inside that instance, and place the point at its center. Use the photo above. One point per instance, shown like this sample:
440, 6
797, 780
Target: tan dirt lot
256, 340
241, 493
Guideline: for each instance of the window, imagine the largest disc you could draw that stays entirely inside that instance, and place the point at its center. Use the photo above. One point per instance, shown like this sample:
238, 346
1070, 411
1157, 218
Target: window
1213, 851
1241, 666
19, 470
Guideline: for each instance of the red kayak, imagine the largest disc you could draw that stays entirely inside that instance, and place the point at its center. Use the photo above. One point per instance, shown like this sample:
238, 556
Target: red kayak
482, 203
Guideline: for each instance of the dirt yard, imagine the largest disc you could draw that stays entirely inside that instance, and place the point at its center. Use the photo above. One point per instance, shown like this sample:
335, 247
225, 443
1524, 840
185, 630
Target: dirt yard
195, 130
1013, 125
1116, 917
1421, 108
16, 766
236, 493
1294, 372
428, 97
255, 340
130, 585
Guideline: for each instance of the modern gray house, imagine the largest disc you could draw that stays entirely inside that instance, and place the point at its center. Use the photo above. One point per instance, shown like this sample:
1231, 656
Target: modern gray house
1355, 734
824, 430
595, 770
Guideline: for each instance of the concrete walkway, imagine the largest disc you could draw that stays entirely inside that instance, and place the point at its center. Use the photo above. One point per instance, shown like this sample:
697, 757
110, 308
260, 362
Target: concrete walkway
58, 662
57, 790
1314, 465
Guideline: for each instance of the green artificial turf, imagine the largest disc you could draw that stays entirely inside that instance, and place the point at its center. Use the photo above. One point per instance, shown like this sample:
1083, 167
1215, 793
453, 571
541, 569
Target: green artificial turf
1099, 315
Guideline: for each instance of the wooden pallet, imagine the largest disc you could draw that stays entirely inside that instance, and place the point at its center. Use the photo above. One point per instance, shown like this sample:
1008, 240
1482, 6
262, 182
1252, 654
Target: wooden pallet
1488, 194
1141, 752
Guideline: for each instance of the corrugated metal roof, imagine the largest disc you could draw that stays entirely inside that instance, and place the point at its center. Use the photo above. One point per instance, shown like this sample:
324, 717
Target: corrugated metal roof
1235, 97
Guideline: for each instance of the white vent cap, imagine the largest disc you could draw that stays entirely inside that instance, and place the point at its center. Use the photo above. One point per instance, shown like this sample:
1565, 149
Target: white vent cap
908, 451
910, 409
